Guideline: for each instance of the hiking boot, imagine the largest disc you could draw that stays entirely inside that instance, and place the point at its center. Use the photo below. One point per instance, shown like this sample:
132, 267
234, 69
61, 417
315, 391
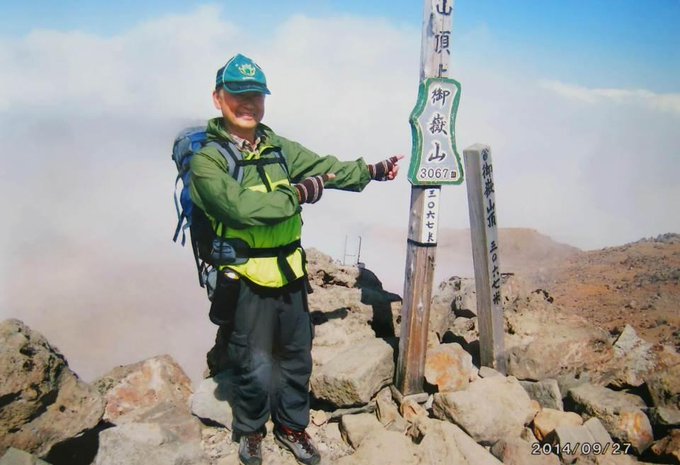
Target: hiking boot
299, 443
250, 449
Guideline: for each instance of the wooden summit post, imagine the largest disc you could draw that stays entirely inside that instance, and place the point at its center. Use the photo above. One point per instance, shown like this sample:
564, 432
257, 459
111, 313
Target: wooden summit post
434, 162
485, 255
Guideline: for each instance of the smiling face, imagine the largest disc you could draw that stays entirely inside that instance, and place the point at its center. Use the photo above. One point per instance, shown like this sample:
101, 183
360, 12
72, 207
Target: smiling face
241, 112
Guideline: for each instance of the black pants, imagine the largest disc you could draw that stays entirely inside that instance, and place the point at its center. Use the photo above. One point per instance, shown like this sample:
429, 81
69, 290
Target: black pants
269, 352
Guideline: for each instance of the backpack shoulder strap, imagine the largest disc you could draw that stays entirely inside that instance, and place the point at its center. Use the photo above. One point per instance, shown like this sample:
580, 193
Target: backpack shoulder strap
232, 156
282, 161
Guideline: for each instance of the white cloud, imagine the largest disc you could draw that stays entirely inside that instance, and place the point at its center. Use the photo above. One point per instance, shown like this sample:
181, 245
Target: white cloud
666, 102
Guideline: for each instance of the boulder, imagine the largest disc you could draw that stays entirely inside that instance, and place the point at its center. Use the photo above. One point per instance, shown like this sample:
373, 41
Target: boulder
354, 375
668, 448
547, 420
133, 392
341, 321
490, 409
664, 416
446, 444
324, 272
567, 381
148, 402
411, 410
443, 444
212, 399
151, 444
635, 359
19, 457
388, 412
355, 428
449, 367
454, 304
465, 328
464, 302
606, 459
517, 451
441, 312
621, 413
318, 417
572, 348
573, 441
487, 372
42, 402
664, 387
383, 447
546, 392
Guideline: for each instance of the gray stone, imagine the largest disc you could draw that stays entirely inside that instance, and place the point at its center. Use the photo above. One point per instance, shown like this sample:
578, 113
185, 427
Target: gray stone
567, 381
133, 391
438, 446
606, 459
546, 392
528, 435
353, 376
590, 433
548, 419
388, 412
150, 444
597, 431
43, 401
620, 413
411, 410
355, 428
474, 453
465, 300
383, 447
590, 444
449, 367
516, 451
664, 416
664, 387
324, 272
212, 399
668, 448
628, 341
636, 359
462, 325
572, 350
19, 457
488, 410
487, 372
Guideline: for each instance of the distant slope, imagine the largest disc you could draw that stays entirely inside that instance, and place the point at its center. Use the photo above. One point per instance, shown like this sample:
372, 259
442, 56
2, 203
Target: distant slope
636, 283
522, 250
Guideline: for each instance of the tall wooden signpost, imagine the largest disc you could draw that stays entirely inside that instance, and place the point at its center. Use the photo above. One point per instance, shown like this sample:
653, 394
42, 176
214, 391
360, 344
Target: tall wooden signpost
434, 162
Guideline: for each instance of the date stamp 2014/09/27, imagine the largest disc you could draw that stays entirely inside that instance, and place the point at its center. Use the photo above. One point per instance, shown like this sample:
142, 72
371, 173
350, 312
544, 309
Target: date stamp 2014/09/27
581, 448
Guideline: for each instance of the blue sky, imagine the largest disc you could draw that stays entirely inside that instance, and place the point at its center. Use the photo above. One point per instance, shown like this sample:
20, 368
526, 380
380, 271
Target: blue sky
610, 43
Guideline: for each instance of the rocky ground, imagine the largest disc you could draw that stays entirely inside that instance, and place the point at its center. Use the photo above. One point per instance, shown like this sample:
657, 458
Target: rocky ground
575, 392
636, 284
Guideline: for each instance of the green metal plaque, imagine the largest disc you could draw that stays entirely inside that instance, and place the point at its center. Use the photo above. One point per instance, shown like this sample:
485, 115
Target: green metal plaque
434, 159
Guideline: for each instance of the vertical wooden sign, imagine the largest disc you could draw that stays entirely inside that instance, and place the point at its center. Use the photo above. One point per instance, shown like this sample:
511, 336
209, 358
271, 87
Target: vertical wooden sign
484, 231
434, 162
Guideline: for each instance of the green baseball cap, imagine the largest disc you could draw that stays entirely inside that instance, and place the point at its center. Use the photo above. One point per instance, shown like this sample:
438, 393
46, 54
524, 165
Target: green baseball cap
241, 74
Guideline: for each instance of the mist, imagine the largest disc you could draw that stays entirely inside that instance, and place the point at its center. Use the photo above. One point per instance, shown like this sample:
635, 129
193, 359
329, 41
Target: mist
88, 124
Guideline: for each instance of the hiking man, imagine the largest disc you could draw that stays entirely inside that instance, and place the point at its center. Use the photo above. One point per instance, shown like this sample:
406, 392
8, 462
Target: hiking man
261, 297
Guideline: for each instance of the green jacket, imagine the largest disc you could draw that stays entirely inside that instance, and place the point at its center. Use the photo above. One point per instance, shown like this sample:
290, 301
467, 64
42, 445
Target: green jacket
253, 214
